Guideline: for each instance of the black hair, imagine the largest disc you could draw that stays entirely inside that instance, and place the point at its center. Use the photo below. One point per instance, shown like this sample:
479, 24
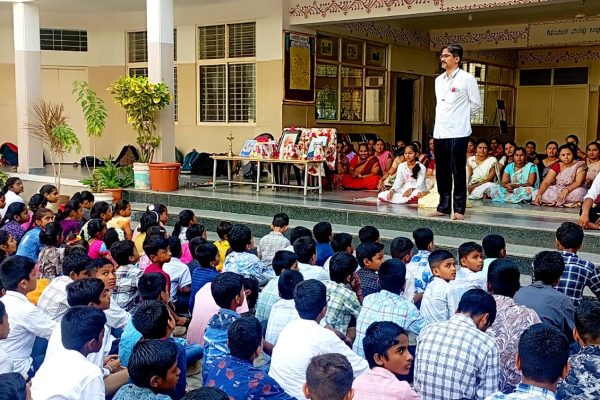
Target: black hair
287, 282
184, 219
95, 226
477, 302
150, 358
423, 238
329, 376
504, 277
513, 144
467, 248
341, 266
76, 262
521, 149
239, 238
379, 338
282, 260
99, 208
157, 208
569, 235
121, 205
456, 50
251, 284
80, 246
36, 202
554, 142
400, 247
341, 241
121, 251
482, 140
10, 182
305, 248
548, 267
592, 144
225, 287
153, 244
280, 220
175, 246
244, 337
206, 393
322, 232
194, 243
437, 256
392, 276
224, 228
148, 219
572, 136
151, 319
298, 232
587, 320
38, 215
82, 292
52, 234
14, 269
368, 250
530, 142
13, 386
111, 237
79, 325
543, 352
4, 236
150, 286
156, 230
12, 211
194, 231
47, 189
492, 245
310, 297
417, 168
86, 195
2, 311
570, 147
205, 253
368, 234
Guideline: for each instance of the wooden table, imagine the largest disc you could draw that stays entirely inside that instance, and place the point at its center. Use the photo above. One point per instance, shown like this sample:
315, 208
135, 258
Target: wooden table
272, 162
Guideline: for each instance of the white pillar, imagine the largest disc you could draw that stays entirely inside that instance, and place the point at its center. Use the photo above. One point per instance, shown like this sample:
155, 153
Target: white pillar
28, 82
160, 69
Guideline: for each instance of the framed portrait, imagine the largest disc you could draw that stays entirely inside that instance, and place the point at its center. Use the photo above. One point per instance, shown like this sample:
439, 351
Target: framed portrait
352, 51
376, 55
326, 48
319, 140
247, 148
289, 137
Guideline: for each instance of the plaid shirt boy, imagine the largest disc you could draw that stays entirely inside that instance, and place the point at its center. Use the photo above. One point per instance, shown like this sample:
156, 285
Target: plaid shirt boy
525, 392
342, 304
578, 274
125, 293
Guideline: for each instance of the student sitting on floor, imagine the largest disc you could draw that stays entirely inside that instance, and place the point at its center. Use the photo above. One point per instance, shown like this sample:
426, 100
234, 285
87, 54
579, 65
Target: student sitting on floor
116, 316
323, 233
340, 242
235, 374
370, 257
306, 250
125, 293
419, 263
6, 363
368, 234
275, 240
494, 247
206, 258
470, 274
241, 261
14, 387
401, 249
156, 247
284, 310
68, 374
181, 278
154, 371
329, 377
437, 304
206, 393
344, 295
223, 231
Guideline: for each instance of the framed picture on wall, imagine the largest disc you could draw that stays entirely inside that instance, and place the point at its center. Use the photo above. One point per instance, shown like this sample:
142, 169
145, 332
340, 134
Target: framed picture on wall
326, 48
300, 68
352, 51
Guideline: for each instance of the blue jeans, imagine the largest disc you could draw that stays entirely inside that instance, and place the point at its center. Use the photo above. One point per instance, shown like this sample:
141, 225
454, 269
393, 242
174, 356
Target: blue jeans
193, 353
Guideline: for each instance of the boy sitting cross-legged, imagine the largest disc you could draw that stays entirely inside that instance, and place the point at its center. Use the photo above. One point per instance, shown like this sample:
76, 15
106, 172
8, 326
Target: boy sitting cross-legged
125, 293
437, 304
328, 377
370, 257
274, 241
241, 261
470, 275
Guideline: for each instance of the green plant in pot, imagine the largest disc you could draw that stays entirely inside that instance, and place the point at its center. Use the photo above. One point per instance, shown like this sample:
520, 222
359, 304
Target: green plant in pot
94, 113
110, 177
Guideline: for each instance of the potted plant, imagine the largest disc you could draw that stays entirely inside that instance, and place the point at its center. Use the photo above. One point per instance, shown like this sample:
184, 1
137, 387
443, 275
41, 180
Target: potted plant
142, 101
94, 113
54, 133
110, 179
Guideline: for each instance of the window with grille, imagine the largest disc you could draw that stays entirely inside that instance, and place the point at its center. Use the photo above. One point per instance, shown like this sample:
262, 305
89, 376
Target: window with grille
63, 40
571, 76
227, 73
535, 77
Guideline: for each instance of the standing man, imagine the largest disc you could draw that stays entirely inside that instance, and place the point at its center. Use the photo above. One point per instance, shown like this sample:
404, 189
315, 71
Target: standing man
458, 99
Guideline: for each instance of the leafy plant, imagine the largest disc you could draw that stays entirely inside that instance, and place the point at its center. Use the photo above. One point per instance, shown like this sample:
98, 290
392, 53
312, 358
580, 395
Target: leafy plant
54, 132
142, 101
94, 113
109, 176
3, 178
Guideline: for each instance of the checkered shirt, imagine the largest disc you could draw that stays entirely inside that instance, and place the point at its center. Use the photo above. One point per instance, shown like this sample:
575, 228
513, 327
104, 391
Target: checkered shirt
455, 360
269, 245
525, 392
267, 297
126, 292
248, 264
368, 281
386, 306
282, 313
342, 305
53, 300
578, 274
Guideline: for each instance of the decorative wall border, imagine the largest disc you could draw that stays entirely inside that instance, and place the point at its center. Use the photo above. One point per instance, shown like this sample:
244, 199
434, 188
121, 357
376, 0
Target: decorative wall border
488, 36
504, 58
557, 57
388, 32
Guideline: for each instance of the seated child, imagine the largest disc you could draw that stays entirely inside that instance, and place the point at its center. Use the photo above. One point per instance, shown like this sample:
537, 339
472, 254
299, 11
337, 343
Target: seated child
306, 249
50, 193
194, 231
180, 276
116, 316
297, 233
494, 247
96, 229
437, 304
344, 295
470, 274
156, 230
125, 293
14, 387
205, 393
148, 219
370, 257
8, 245
122, 218
68, 374
156, 247
223, 231
284, 310
153, 370
386, 350
340, 242
6, 363
184, 220
100, 210
401, 249
16, 214
323, 233
329, 376
241, 261
251, 292
283, 260
275, 240
419, 264
245, 342
70, 218
368, 234
206, 256
52, 255
30, 245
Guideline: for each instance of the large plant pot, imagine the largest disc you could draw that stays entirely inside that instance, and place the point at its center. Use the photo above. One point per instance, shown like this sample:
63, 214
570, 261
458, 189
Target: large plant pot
103, 196
164, 177
141, 175
117, 194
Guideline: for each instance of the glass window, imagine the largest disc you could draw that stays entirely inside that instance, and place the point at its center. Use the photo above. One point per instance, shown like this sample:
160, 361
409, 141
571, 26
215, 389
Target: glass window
137, 47
211, 42
351, 94
375, 96
212, 93
242, 92
242, 40
327, 91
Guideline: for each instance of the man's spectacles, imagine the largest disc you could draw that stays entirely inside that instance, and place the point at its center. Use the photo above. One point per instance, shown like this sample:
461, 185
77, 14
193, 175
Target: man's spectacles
445, 55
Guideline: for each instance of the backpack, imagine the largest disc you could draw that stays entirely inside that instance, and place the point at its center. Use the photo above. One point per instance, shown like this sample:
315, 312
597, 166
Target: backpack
127, 156
188, 161
9, 154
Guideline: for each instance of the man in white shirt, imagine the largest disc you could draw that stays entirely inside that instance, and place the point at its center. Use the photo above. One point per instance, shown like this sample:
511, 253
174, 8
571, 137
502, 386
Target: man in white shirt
284, 310
458, 100
306, 250
27, 322
303, 339
68, 374
590, 213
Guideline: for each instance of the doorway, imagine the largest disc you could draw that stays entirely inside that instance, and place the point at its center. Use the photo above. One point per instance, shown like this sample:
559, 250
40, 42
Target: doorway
405, 93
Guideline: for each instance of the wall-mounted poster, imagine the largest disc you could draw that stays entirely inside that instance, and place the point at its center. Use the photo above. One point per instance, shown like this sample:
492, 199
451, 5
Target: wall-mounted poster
299, 64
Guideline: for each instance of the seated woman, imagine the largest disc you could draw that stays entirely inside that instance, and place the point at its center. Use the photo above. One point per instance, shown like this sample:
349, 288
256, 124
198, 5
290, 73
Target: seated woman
564, 186
574, 140
410, 180
341, 166
471, 147
509, 154
428, 155
384, 156
482, 171
519, 180
593, 163
364, 171
548, 160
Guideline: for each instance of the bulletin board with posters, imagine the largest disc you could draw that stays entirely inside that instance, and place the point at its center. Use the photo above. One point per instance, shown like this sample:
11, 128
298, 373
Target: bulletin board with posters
299, 67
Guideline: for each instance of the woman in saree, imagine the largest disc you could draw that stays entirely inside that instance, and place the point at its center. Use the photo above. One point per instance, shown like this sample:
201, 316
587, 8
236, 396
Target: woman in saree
364, 171
384, 156
471, 147
519, 180
509, 154
593, 163
574, 140
564, 186
548, 160
409, 184
341, 166
482, 171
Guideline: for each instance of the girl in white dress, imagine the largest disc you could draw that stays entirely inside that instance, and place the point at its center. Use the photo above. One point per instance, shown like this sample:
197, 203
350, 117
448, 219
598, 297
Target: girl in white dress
410, 179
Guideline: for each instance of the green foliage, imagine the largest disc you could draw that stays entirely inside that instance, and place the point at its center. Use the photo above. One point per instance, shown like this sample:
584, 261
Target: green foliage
142, 101
93, 108
3, 178
67, 138
109, 176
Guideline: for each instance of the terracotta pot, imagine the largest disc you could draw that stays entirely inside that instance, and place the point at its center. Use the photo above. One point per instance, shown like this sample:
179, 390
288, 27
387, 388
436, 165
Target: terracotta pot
117, 194
164, 177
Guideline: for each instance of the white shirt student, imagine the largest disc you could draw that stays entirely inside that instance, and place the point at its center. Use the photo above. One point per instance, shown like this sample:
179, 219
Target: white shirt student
68, 375
437, 303
116, 317
179, 273
282, 313
26, 323
309, 271
464, 281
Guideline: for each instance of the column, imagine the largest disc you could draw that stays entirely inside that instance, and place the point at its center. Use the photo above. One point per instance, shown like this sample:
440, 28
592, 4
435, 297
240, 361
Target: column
28, 82
160, 69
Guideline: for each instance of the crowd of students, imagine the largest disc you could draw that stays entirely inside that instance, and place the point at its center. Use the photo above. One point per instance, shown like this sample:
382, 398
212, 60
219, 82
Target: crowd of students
93, 308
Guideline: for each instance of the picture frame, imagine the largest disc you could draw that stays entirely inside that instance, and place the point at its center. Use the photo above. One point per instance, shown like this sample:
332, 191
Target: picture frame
319, 140
352, 51
326, 48
289, 137
248, 147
